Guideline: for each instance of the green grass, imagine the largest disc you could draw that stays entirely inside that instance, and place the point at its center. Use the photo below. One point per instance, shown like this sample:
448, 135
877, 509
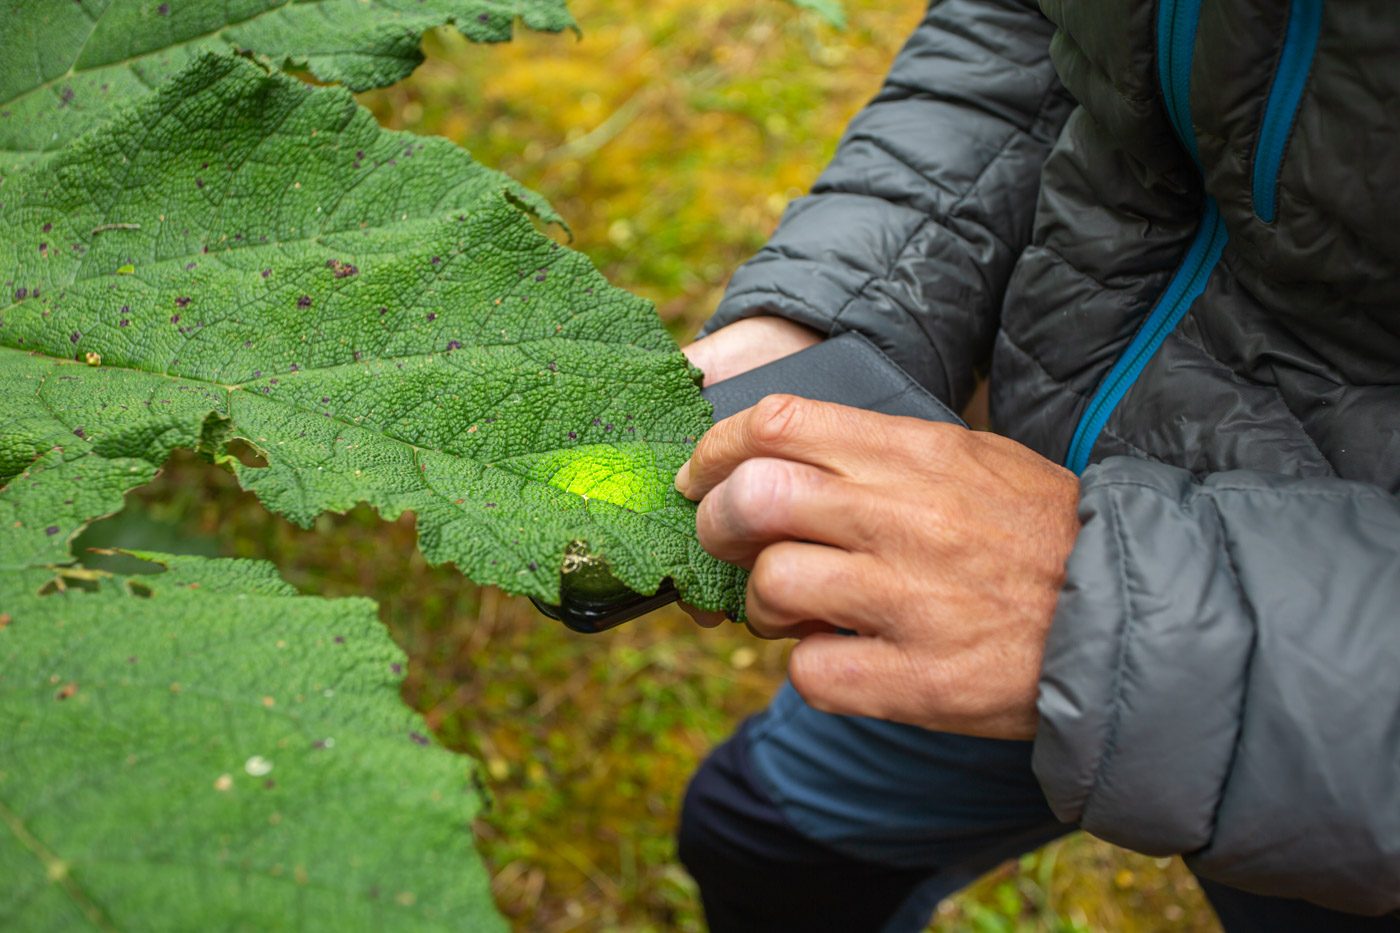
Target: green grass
670, 136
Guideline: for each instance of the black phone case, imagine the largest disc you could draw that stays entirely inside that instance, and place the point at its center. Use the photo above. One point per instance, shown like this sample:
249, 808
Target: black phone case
847, 369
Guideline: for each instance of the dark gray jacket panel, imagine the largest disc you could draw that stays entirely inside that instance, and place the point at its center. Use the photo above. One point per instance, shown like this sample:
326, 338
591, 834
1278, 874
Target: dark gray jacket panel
1223, 679
910, 234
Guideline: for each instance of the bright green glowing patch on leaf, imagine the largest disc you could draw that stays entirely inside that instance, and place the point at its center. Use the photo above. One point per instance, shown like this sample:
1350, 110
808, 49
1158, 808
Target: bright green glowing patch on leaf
626, 475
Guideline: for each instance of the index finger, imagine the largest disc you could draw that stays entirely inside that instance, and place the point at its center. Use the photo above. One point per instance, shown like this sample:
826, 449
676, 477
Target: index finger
785, 427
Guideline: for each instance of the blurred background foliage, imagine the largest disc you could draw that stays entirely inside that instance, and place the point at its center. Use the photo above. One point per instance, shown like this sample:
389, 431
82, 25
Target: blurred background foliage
671, 136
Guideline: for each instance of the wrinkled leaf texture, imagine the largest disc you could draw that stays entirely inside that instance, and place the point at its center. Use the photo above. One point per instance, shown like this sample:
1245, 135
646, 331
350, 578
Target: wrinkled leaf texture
205, 749
245, 256
65, 65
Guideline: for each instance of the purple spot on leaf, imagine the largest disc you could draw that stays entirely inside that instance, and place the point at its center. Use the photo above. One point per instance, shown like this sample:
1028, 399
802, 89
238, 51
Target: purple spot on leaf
304, 301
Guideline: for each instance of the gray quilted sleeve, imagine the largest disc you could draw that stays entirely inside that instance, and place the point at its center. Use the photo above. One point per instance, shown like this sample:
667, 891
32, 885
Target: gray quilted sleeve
910, 234
1222, 679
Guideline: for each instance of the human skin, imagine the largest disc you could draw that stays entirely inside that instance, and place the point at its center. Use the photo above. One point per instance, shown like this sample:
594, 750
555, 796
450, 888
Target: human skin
943, 549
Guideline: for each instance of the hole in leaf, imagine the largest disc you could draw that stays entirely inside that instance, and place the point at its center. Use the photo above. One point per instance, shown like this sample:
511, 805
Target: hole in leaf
245, 453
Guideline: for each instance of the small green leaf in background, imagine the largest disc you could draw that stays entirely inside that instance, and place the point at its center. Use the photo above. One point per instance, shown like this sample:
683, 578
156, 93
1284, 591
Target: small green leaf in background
65, 65
370, 311
833, 11
206, 749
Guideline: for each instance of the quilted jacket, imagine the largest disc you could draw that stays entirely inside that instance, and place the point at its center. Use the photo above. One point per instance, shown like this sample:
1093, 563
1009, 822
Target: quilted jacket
1170, 232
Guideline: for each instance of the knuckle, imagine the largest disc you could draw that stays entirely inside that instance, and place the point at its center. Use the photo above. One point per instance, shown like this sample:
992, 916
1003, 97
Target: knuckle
711, 527
824, 679
776, 580
777, 419
807, 670
761, 494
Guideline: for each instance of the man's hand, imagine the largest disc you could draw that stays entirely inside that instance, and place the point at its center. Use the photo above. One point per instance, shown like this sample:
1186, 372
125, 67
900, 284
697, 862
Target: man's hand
943, 548
737, 348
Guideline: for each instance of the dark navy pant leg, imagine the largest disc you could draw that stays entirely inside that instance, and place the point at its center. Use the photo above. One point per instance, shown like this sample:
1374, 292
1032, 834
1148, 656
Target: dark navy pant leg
809, 822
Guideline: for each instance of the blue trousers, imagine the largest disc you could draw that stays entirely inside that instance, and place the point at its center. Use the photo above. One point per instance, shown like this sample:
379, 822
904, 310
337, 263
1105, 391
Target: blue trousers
809, 822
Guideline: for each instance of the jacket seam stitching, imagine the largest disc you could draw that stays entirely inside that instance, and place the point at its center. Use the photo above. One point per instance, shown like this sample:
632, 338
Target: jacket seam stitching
874, 140
898, 257
1144, 452
1124, 637
1239, 379
1212, 491
1239, 717
1063, 384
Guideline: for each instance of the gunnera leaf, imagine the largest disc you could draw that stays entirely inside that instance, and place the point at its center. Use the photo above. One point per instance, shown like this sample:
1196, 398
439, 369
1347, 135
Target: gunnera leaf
64, 64
242, 256
206, 749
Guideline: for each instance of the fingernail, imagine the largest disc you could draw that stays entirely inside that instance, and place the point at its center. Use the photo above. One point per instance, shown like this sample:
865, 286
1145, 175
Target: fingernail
683, 477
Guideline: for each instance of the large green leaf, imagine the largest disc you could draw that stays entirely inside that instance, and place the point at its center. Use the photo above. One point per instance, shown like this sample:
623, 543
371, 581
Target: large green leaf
206, 749
64, 64
250, 257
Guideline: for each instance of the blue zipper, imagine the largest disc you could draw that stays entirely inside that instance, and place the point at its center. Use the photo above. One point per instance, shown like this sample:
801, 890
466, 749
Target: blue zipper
1177, 25
1291, 76
1183, 290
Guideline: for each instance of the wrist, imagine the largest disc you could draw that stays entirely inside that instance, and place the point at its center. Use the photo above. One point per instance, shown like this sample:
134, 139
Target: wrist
748, 344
